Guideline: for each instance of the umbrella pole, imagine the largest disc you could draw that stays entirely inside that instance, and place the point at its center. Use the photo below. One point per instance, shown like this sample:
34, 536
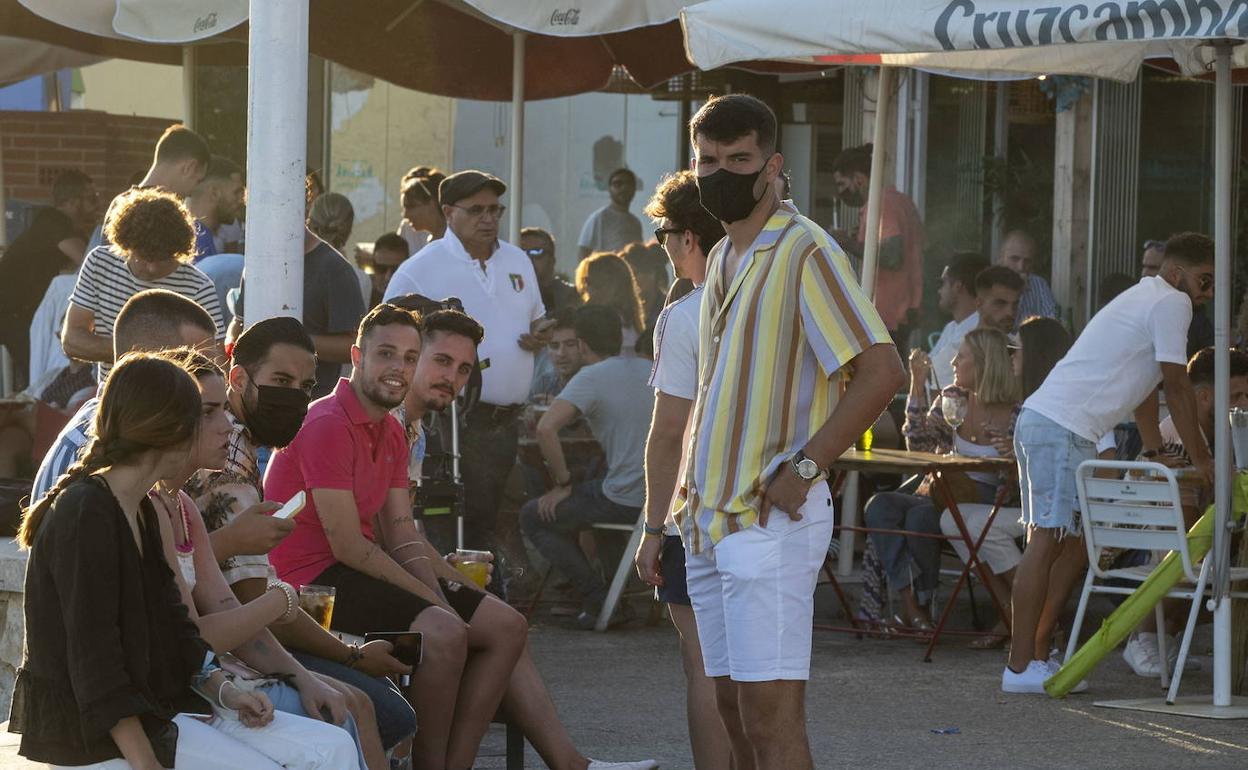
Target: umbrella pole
188, 86
517, 136
277, 125
875, 190
1221, 603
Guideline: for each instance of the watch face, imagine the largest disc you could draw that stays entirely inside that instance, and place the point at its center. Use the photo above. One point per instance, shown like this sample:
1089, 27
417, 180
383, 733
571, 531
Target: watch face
807, 468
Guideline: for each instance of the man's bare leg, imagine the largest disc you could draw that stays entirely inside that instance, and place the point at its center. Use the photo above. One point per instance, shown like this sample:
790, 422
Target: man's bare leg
1031, 586
361, 708
435, 684
727, 698
496, 635
530, 706
707, 736
774, 715
1067, 568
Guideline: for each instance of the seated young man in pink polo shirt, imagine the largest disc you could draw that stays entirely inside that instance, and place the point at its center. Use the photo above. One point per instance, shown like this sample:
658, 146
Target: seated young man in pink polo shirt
351, 459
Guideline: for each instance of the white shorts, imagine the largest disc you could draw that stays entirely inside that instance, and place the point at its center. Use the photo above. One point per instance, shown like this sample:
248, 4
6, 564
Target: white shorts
753, 594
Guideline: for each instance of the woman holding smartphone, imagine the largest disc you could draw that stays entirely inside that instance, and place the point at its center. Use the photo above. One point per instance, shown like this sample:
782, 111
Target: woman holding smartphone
111, 654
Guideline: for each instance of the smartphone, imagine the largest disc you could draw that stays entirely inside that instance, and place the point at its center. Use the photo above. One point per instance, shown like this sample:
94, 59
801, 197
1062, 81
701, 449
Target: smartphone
292, 506
408, 645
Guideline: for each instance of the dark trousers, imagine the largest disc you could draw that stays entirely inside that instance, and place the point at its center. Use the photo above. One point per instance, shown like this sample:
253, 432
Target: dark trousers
556, 540
487, 450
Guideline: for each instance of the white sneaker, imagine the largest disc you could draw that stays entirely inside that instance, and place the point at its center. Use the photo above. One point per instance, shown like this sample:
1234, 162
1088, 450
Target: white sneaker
1140, 653
645, 764
1054, 664
1030, 680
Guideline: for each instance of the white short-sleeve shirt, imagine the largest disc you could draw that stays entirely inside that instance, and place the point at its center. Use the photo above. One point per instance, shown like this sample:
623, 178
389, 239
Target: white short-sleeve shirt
503, 297
1116, 362
675, 371
946, 347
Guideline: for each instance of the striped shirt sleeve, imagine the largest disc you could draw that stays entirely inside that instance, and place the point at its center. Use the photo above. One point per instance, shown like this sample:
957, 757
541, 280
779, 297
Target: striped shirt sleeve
86, 294
838, 319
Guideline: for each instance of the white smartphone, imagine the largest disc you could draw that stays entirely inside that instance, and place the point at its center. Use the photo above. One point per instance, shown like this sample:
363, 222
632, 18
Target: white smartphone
292, 506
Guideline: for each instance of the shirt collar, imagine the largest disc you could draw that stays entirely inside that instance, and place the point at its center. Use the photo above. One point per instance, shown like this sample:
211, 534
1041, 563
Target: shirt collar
775, 226
344, 394
456, 246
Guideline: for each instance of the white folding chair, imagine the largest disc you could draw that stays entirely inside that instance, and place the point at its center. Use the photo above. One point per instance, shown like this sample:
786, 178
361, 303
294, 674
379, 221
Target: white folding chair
1141, 511
622, 571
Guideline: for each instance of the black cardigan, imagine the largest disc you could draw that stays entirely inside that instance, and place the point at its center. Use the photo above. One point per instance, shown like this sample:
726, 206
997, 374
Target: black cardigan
107, 635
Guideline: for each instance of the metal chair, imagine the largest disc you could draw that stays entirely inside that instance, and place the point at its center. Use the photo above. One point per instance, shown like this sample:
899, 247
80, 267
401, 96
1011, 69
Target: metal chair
622, 570
1142, 511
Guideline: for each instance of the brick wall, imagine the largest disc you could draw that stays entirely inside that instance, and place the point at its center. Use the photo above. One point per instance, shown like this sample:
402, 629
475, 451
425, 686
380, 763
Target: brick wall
37, 146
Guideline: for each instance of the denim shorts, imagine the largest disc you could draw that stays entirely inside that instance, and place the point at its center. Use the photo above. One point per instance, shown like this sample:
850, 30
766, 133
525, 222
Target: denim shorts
1048, 457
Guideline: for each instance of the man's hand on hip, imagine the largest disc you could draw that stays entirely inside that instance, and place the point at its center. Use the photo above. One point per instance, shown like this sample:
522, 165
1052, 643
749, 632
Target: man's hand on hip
786, 492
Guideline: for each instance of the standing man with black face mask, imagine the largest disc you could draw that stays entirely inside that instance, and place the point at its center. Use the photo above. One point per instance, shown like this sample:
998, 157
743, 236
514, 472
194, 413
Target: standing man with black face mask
768, 420
899, 271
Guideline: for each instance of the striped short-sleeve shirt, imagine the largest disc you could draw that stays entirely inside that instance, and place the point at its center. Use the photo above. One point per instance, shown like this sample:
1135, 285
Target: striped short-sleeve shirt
773, 341
105, 284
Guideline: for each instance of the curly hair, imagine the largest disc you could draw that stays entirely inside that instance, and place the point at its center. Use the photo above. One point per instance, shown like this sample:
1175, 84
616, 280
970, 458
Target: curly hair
151, 225
676, 198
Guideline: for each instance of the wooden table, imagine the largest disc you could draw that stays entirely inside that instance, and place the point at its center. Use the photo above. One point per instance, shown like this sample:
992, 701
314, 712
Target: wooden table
905, 463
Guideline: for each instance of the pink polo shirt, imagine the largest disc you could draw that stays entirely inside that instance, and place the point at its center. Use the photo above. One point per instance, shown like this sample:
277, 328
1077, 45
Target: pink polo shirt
338, 447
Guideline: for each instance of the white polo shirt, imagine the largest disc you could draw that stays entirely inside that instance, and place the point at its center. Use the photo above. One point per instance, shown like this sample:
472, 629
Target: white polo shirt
503, 297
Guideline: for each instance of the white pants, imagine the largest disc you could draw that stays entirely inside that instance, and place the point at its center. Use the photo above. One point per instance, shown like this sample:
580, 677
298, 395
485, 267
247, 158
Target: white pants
999, 549
753, 594
290, 742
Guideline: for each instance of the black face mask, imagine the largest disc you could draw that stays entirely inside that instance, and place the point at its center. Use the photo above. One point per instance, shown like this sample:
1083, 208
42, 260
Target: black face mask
278, 415
727, 195
852, 197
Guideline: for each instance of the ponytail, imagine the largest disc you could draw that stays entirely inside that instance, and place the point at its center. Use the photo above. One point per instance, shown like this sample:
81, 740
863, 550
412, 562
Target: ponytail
95, 460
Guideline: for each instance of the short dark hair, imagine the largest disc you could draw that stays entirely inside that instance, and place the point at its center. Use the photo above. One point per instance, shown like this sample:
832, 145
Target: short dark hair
253, 346
854, 160
965, 268
622, 172
150, 224
154, 318
386, 314
69, 185
180, 143
676, 199
1190, 248
647, 258
565, 318
450, 321
1200, 367
733, 116
537, 232
390, 242
221, 167
998, 275
600, 328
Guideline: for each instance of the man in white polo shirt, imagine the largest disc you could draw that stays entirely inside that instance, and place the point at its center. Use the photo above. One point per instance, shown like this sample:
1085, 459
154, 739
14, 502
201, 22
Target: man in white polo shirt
497, 285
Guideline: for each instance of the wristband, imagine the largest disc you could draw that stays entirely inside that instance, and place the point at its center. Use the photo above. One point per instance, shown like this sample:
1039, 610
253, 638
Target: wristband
654, 531
353, 656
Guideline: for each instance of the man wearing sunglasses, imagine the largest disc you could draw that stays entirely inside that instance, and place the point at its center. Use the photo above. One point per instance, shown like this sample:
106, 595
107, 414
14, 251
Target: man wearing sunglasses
1137, 341
499, 288
557, 294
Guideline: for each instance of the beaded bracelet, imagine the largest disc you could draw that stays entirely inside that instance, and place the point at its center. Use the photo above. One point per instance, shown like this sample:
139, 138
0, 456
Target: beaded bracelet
292, 600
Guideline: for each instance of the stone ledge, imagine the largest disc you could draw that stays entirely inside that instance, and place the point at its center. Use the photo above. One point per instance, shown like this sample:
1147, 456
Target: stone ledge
12, 566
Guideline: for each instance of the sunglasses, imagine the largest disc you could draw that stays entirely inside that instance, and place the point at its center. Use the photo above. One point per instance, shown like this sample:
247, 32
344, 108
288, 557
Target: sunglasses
476, 212
539, 252
661, 233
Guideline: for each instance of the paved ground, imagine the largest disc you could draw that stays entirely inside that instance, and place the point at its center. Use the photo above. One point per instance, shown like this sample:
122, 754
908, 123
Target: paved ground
871, 704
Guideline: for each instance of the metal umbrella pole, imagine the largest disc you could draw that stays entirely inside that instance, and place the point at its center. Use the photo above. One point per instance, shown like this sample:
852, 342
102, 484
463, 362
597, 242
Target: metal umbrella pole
1220, 603
516, 182
455, 478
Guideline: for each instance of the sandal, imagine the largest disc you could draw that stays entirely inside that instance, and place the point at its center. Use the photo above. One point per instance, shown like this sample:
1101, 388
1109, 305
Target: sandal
989, 642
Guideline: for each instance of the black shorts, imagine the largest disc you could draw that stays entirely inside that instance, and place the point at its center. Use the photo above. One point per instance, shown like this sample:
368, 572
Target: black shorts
675, 589
363, 604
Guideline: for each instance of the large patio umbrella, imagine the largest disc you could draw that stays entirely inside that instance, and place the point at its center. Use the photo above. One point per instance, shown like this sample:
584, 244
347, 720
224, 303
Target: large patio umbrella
1104, 39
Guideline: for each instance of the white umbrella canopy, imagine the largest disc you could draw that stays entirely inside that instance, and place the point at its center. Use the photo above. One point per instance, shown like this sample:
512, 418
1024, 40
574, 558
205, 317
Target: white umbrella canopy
21, 58
1102, 39
984, 38
151, 21
556, 17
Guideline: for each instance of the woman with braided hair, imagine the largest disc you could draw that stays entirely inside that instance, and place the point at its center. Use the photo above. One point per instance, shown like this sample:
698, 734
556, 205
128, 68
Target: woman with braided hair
113, 664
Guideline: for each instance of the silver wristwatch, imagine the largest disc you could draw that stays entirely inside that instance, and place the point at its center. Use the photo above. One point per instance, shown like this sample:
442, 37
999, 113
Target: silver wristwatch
806, 468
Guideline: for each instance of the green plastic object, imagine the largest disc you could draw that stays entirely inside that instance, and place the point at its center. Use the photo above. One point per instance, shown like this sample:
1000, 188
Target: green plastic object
1139, 604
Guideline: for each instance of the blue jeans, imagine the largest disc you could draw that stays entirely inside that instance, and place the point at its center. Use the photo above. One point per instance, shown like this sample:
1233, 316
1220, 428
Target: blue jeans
395, 718
286, 698
556, 540
908, 561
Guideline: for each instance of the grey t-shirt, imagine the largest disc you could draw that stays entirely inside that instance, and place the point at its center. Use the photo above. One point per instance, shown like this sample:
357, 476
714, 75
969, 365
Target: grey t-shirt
617, 401
331, 305
610, 229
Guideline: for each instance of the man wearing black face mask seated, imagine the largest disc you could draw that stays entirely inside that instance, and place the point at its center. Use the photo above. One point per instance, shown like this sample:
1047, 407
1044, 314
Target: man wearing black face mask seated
272, 373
